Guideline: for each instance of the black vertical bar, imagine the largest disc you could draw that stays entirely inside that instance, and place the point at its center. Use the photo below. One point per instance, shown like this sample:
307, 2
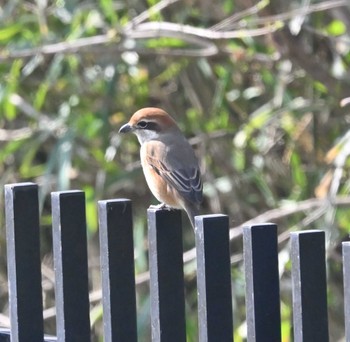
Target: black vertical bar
5, 335
166, 276
262, 283
214, 278
346, 272
117, 268
309, 286
23, 262
71, 267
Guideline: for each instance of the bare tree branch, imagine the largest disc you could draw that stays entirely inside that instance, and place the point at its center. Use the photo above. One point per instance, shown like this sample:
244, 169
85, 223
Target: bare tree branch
231, 22
201, 38
15, 134
277, 214
149, 12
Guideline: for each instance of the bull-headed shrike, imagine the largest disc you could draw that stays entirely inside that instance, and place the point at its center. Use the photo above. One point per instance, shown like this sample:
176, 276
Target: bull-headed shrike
168, 161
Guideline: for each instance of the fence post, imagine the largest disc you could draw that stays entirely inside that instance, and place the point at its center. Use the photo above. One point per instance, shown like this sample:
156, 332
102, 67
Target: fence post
5, 335
309, 286
71, 268
262, 283
346, 272
166, 275
23, 262
117, 270
214, 278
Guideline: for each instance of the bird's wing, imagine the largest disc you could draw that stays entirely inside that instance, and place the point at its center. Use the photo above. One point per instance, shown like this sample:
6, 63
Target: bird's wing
185, 179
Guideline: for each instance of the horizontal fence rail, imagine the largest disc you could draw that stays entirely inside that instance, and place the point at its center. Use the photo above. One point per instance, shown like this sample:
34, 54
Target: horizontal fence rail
167, 295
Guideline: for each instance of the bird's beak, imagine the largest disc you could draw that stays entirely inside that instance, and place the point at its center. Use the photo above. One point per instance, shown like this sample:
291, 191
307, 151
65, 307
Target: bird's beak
125, 128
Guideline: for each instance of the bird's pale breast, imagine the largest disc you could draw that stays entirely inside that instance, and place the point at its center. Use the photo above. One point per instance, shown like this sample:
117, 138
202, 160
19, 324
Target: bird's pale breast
159, 187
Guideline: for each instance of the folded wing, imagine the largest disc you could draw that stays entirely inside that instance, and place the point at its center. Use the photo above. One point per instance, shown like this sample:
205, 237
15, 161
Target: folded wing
186, 180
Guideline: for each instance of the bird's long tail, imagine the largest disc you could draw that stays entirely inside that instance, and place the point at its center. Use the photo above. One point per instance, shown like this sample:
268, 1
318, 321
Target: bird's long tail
192, 211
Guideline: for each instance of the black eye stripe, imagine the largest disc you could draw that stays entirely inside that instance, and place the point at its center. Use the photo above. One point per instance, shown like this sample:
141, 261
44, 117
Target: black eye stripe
149, 125
143, 124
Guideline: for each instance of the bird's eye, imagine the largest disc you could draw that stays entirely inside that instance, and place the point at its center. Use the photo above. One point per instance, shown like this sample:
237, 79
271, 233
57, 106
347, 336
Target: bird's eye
142, 124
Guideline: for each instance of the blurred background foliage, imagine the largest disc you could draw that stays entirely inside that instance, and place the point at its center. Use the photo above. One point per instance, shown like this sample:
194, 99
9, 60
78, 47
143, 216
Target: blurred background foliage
261, 88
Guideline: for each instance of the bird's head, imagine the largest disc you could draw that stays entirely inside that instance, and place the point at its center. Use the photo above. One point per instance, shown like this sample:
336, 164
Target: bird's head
150, 124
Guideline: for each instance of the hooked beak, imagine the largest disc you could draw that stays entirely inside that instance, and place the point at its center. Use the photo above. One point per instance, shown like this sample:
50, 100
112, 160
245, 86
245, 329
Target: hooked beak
125, 128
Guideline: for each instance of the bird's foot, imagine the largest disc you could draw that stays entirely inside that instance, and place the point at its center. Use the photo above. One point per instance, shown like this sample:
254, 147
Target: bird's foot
161, 206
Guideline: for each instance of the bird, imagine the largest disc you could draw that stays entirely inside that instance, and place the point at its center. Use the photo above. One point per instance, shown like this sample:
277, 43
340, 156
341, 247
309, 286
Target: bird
169, 163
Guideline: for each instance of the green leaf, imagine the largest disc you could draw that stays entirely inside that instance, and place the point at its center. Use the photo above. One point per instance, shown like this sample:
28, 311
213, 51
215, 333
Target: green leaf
91, 212
12, 84
298, 174
165, 42
40, 95
10, 149
336, 28
264, 188
109, 11
320, 87
28, 167
8, 32
239, 159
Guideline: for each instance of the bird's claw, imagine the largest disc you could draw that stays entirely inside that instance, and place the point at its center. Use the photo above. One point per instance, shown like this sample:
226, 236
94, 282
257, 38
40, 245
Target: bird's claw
161, 206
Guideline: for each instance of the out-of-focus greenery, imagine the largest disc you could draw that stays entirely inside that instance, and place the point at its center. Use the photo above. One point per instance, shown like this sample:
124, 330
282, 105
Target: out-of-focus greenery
261, 88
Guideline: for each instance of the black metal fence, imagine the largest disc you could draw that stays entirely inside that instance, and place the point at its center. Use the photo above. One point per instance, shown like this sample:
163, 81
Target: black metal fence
168, 322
